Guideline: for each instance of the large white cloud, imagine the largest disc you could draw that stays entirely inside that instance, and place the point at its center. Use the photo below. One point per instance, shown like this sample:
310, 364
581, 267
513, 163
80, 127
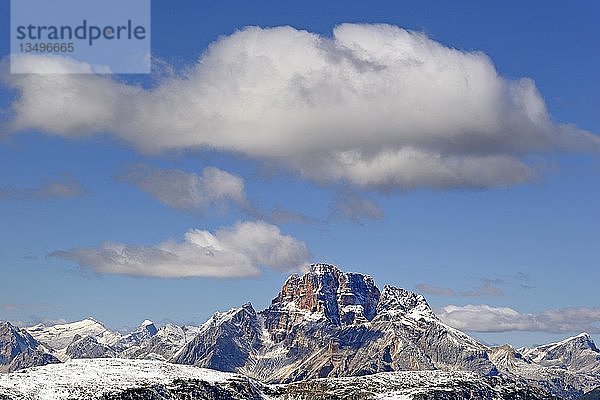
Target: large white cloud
374, 105
485, 318
238, 251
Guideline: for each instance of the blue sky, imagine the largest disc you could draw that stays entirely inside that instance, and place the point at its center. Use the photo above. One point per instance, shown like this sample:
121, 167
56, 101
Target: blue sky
521, 234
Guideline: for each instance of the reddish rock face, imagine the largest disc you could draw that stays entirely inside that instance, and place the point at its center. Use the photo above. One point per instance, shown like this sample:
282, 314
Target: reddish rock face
343, 298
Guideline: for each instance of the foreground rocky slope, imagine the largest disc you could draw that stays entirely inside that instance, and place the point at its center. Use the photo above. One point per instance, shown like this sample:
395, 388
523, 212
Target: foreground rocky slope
119, 379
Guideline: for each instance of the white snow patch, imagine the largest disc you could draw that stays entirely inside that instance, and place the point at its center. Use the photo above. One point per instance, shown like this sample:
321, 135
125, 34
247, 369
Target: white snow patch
91, 378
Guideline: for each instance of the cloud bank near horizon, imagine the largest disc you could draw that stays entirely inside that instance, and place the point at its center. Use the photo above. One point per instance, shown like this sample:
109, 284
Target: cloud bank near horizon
485, 318
376, 106
241, 250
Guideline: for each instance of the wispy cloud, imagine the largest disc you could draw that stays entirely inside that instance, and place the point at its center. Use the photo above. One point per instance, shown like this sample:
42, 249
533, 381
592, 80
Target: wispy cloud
65, 187
489, 287
375, 106
281, 215
485, 318
35, 320
10, 307
29, 256
195, 193
523, 280
237, 251
189, 191
355, 208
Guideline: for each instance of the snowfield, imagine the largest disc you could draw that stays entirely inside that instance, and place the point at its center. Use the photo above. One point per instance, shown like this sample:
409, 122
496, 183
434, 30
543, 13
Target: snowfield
108, 379
89, 379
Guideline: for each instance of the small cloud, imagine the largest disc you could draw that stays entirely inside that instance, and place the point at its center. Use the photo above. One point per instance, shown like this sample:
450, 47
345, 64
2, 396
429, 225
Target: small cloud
485, 290
524, 280
281, 215
237, 251
195, 193
189, 191
488, 288
485, 318
522, 276
65, 187
29, 256
436, 290
35, 320
8, 307
8, 192
355, 208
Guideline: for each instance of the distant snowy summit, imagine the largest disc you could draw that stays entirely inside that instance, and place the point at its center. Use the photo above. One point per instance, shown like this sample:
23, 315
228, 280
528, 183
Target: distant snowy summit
322, 324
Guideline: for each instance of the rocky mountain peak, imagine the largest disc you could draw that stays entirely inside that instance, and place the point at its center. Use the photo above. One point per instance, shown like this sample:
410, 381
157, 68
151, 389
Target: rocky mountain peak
147, 329
507, 358
343, 298
225, 341
578, 353
61, 335
14, 342
583, 341
324, 269
18, 349
395, 302
88, 347
142, 333
6, 327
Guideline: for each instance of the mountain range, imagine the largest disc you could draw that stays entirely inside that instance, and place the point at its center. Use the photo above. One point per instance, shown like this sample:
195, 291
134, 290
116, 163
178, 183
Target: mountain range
324, 327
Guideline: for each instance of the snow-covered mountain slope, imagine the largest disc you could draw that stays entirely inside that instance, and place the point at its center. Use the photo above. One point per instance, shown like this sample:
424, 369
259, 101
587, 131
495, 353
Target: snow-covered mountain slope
143, 333
225, 342
91, 379
415, 385
118, 379
559, 381
575, 354
91, 339
88, 347
59, 337
18, 349
162, 345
